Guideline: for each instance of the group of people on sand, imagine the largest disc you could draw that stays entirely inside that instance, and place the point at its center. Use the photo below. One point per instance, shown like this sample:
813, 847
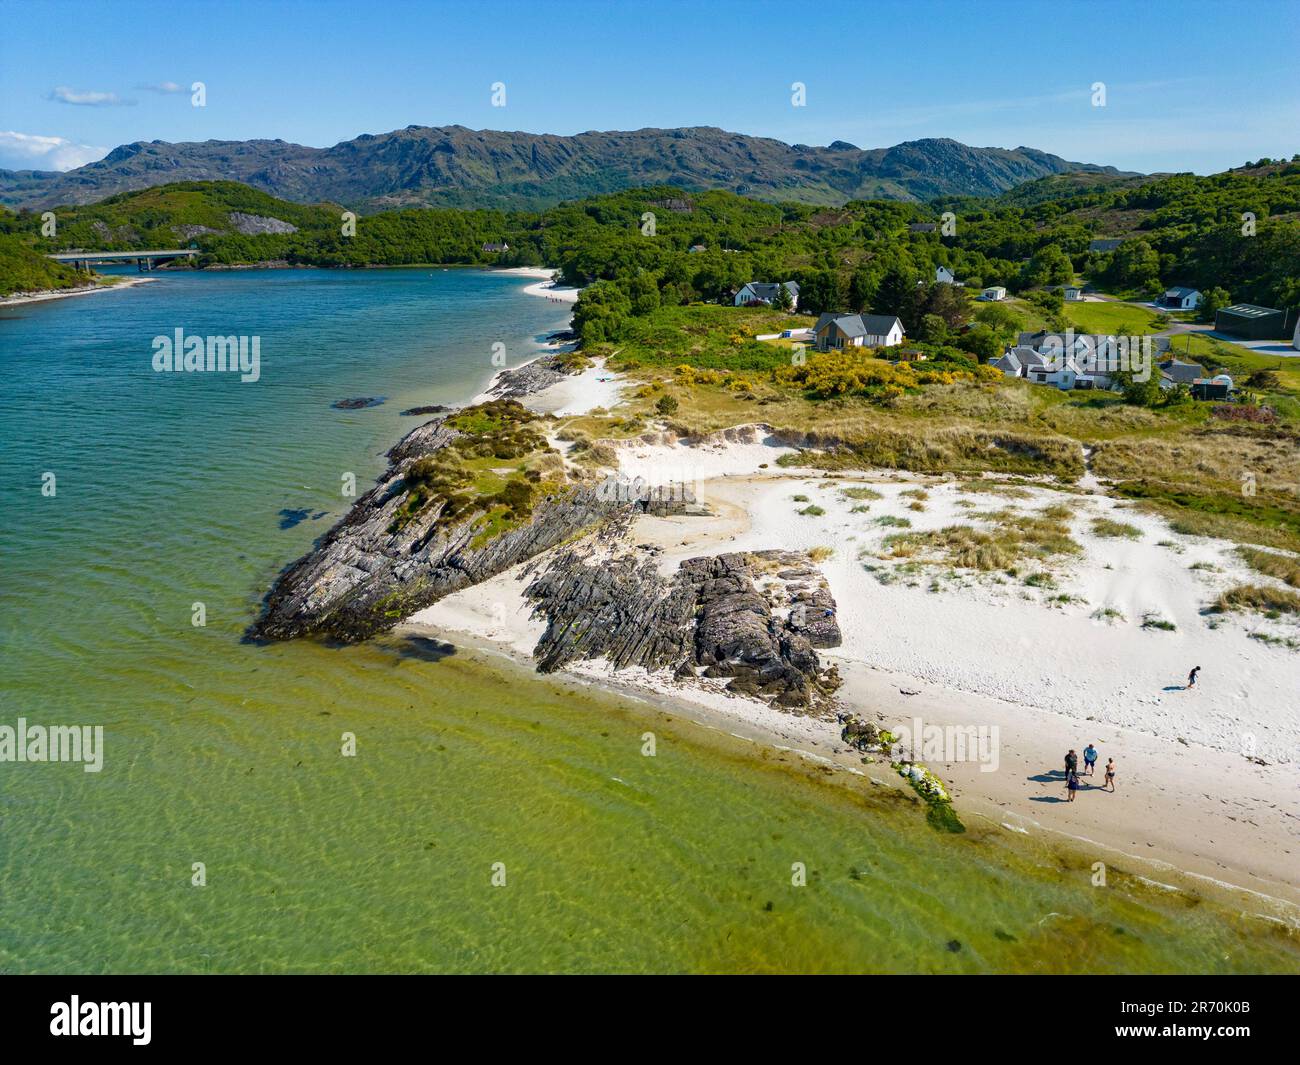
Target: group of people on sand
1090, 756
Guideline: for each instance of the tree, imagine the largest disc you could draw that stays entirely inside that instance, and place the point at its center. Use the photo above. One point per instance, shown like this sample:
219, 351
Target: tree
862, 290
783, 301
1004, 322
981, 341
934, 330
1212, 301
896, 294
1049, 265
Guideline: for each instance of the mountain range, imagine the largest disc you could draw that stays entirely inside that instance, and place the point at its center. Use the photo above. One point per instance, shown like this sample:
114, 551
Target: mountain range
452, 166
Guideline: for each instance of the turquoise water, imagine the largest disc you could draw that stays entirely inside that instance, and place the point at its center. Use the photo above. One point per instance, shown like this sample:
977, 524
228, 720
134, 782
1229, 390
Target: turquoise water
174, 489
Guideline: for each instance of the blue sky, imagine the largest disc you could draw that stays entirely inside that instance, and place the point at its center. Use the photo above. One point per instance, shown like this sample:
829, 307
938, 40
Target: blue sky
1190, 85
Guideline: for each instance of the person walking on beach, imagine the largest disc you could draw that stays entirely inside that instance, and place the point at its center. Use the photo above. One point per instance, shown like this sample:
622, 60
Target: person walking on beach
1072, 784
1191, 678
1071, 762
1110, 774
1089, 760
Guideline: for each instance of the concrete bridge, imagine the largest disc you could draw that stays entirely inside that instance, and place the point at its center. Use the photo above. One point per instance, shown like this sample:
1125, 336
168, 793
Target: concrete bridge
144, 260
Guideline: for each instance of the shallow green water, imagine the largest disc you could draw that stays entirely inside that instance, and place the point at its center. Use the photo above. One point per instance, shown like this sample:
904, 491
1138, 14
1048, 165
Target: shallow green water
170, 491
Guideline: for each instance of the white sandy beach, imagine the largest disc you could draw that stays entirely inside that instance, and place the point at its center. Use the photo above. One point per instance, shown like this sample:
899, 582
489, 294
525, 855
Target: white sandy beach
65, 293
986, 649
1051, 668
546, 285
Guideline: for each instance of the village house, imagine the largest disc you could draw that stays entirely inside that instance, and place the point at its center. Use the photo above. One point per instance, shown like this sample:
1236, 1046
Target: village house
1072, 293
923, 227
836, 331
493, 248
994, 293
1174, 372
1179, 298
944, 276
764, 293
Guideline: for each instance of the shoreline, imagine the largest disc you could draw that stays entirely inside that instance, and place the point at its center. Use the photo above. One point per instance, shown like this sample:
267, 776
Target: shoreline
1182, 810
45, 295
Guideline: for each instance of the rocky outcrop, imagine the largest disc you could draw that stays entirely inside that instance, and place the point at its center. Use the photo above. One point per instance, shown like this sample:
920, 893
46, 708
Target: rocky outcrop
527, 379
367, 574
710, 618
252, 225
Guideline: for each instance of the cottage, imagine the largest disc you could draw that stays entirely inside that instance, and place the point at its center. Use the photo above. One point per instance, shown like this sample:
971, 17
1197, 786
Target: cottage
1175, 372
923, 227
764, 293
1251, 322
944, 276
993, 294
1018, 361
1072, 294
836, 331
493, 248
1181, 299
695, 249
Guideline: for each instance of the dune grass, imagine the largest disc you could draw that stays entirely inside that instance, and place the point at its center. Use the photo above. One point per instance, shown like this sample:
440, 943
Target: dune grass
1115, 529
1284, 567
1273, 602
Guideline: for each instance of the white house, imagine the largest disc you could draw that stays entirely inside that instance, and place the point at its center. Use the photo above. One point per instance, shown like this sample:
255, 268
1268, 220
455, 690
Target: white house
1181, 299
944, 276
836, 331
765, 293
1072, 294
993, 294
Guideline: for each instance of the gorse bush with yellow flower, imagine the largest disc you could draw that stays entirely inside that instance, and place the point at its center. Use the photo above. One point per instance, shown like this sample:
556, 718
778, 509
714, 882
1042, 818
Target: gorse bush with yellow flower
852, 373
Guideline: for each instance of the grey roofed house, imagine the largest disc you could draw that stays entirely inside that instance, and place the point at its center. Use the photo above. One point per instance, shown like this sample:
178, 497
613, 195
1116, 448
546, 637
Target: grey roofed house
1105, 244
923, 227
1019, 360
1181, 373
767, 290
854, 327
858, 325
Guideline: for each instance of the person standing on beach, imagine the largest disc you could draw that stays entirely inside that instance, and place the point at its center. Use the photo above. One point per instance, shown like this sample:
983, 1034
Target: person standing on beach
1072, 784
1071, 762
1191, 678
1089, 760
1110, 774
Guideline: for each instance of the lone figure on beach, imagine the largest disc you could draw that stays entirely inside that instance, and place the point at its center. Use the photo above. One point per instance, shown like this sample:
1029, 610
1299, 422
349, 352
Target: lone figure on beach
1071, 762
1191, 677
1072, 784
1089, 760
1110, 774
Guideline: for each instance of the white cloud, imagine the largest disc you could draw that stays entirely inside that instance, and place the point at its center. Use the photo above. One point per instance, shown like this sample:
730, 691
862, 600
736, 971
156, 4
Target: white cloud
89, 98
29, 151
163, 88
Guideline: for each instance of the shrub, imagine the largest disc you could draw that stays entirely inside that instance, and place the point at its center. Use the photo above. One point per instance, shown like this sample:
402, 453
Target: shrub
667, 405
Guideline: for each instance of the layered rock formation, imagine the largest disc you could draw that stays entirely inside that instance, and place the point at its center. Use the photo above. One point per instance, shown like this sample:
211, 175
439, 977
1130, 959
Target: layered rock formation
751, 619
365, 576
